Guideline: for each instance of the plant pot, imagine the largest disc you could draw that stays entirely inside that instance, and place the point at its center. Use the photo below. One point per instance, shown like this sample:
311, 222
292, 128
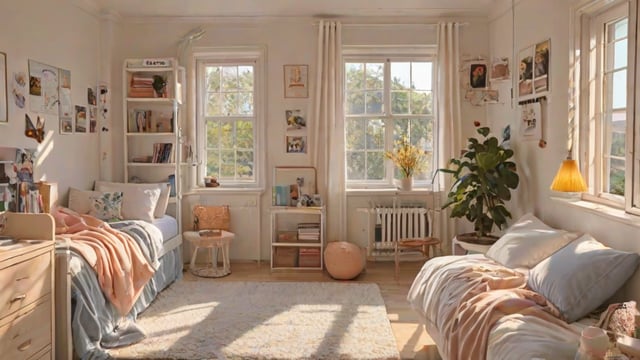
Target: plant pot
473, 238
405, 184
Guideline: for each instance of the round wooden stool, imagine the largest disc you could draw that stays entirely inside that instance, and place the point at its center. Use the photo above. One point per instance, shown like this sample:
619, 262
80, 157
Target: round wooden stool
421, 244
213, 243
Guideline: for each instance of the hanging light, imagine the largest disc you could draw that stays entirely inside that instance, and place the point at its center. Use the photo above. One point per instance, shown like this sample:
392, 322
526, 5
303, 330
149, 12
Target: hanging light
569, 178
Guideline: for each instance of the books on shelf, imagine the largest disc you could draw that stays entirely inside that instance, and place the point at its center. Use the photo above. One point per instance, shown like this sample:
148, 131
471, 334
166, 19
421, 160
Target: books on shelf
309, 232
148, 121
162, 153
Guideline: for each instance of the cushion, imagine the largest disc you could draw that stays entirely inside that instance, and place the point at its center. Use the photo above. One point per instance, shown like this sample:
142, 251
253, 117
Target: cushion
107, 206
139, 200
80, 200
162, 202
527, 242
582, 276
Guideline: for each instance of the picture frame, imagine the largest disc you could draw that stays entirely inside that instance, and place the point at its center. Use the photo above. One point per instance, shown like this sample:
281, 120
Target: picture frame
4, 110
534, 70
295, 119
500, 70
296, 144
478, 75
293, 183
296, 79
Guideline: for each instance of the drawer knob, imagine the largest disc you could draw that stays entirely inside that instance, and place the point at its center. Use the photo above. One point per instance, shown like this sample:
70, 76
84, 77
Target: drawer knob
25, 345
18, 298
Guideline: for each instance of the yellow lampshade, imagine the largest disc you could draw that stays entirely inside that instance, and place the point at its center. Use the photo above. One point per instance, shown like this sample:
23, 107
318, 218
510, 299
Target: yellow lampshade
568, 178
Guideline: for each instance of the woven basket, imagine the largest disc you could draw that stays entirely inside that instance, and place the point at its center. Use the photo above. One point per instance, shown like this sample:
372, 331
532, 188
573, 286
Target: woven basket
211, 217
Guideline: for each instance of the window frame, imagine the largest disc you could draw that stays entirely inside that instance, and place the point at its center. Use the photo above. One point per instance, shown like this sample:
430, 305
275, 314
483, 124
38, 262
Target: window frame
386, 55
588, 57
239, 56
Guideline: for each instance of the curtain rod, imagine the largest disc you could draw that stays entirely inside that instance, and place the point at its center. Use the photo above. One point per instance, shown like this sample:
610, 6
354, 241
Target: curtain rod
381, 25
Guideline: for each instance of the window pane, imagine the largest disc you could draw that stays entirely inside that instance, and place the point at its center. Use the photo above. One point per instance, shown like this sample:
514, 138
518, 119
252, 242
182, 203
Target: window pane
213, 163
226, 135
375, 76
400, 75
617, 143
620, 54
355, 134
230, 104
213, 134
229, 78
244, 134
213, 106
246, 103
421, 75
400, 102
617, 30
374, 100
246, 78
421, 102
354, 74
355, 165
245, 165
375, 165
355, 102
227, 165
619, 89
213, 78
375, 134
616, 177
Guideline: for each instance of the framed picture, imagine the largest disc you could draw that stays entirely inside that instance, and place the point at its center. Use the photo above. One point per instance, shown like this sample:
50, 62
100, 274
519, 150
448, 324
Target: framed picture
500, 69
4, 112
296, 144
478, 75
296, 81
533, 67
295, 120
81, 119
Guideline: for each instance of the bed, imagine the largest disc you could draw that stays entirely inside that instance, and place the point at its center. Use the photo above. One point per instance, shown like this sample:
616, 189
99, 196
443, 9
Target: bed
529, 297
90, 320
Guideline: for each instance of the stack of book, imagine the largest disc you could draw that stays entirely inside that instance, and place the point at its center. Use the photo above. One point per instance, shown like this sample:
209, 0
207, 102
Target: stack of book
309, 257
140, 86
309, 232
162, 153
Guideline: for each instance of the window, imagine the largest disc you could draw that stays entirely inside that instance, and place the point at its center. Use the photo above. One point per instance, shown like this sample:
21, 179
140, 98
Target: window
386, 99
608, 121
228, 117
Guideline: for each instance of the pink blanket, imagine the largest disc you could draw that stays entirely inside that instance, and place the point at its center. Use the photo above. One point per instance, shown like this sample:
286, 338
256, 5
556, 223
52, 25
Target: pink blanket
120, 265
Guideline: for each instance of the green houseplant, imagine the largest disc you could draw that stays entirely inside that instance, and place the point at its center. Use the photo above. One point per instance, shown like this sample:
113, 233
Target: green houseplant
483, 179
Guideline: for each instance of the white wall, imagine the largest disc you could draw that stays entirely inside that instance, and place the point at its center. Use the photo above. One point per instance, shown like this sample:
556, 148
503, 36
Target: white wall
56, 33
537, 20
288, 41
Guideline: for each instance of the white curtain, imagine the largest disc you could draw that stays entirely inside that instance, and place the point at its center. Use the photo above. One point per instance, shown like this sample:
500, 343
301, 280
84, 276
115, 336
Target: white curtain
449, 119
328, 130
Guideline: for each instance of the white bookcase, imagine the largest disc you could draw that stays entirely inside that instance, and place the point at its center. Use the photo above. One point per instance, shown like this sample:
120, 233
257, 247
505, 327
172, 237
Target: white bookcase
287, 252
152, 124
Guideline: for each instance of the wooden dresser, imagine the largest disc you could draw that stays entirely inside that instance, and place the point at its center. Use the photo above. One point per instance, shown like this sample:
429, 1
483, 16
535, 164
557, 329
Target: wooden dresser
27, 289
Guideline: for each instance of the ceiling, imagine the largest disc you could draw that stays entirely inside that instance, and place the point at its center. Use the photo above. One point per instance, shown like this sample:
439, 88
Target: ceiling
293, 8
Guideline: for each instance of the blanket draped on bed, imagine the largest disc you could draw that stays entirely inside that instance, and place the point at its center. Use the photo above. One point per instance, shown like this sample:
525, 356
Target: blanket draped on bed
120, 265
484, 293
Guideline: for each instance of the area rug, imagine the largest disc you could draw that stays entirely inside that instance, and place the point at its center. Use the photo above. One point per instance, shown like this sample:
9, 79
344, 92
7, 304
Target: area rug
207, 319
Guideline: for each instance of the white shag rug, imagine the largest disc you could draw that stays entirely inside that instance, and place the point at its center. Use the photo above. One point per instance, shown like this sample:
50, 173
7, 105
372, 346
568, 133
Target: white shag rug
265, 320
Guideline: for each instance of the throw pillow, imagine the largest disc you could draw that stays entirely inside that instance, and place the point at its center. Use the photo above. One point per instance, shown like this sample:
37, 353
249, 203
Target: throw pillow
80, 200
582, 276
527, 242
107, 206
136, 202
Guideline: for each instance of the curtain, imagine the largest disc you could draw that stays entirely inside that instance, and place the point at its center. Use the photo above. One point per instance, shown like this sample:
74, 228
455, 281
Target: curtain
449, 120
328, 130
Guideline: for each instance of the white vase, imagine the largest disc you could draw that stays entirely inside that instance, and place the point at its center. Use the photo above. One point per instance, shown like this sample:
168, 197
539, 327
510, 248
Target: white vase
405, 184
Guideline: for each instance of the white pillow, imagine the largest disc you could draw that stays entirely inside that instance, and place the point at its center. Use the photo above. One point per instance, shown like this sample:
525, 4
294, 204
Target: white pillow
139, 200
582, 276
80, 200
527, 242
163, 200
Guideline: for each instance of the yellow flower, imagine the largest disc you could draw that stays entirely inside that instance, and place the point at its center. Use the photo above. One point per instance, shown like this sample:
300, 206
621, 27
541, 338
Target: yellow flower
407, 157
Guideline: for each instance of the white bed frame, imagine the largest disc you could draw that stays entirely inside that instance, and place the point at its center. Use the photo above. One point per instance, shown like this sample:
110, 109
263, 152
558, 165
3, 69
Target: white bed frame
63, 339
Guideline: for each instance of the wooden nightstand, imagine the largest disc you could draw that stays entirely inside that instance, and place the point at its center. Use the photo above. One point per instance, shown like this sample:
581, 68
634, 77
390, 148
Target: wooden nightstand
26, 278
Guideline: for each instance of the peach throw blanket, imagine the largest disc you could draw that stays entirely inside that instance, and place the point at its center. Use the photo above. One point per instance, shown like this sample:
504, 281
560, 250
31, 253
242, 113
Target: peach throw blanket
120, 265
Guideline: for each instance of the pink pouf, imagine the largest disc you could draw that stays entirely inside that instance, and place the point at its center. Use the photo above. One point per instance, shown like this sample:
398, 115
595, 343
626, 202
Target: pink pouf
344, 260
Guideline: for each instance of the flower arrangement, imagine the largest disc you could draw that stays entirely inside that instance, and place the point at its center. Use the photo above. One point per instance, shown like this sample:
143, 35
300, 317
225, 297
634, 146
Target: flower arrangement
407, 157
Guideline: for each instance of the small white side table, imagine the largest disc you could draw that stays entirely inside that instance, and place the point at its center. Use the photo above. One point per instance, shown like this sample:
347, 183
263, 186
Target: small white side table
213, 243
462, 248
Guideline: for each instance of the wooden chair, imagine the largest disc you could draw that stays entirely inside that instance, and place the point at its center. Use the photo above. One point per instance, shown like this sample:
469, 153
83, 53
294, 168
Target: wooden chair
420, 245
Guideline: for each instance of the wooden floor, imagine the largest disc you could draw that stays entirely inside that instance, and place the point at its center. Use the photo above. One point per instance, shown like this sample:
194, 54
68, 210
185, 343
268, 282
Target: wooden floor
413, 342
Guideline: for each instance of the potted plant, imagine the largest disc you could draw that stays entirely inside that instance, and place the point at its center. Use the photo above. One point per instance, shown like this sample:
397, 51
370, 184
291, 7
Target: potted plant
409, 159
483, 179
159, 83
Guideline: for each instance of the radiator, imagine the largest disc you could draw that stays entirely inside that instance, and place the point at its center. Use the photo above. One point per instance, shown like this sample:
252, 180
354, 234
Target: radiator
393, 223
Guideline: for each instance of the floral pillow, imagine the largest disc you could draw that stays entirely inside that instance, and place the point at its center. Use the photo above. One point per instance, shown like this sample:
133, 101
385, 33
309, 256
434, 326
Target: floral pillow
107, 206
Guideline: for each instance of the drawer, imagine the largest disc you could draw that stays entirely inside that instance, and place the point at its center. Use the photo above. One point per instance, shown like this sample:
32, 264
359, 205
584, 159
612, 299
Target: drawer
27, 333
24, 282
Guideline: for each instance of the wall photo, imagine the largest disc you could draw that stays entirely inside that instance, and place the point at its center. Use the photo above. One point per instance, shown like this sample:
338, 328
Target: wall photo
296, 81
534, 70
478, 75
296, 144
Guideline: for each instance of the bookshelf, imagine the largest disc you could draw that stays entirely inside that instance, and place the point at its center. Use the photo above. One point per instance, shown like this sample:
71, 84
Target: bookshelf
297, 238
153, 96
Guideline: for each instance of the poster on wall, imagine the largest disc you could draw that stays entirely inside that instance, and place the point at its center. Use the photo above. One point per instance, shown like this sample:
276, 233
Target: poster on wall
43, 88
500, 69
296, 81
65, 113
296, 144
478, 75
531, 121
534, 73
295, 119
81, 119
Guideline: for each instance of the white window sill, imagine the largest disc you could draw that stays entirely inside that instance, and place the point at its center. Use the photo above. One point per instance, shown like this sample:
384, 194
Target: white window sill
608, 212
387, 191
224, 190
